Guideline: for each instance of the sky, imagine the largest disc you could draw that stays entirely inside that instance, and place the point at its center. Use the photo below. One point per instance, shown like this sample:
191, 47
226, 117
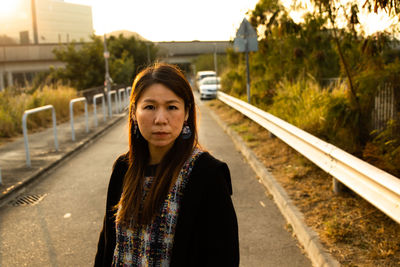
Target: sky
170, 20
180, 20
187, 20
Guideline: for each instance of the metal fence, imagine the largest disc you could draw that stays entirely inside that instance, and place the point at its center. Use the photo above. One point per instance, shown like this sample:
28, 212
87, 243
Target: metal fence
379, 188
384, 107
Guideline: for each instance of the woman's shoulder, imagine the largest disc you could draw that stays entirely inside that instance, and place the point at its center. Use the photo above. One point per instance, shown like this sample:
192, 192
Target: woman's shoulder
121, 161
212, 170
206, 159
119, 169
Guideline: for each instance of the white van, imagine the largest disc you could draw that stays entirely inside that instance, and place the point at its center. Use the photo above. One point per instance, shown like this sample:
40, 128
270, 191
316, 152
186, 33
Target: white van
203, 74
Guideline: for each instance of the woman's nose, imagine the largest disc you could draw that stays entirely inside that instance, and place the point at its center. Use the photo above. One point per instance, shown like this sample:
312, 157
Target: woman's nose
161, 117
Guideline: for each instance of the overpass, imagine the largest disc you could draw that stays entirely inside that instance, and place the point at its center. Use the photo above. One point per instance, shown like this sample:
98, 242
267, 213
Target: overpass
21, 62
185, 52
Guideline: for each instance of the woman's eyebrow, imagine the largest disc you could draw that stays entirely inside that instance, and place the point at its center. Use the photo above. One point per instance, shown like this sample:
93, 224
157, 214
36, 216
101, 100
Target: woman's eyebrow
149, 100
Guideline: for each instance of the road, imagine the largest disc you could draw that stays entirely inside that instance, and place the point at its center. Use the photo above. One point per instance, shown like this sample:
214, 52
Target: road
62, 229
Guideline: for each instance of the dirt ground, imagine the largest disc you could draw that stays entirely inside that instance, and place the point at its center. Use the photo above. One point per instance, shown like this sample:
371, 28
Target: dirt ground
352, 230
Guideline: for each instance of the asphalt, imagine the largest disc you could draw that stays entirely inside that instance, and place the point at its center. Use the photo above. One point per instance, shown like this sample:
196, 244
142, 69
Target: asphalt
264, 221
15, 174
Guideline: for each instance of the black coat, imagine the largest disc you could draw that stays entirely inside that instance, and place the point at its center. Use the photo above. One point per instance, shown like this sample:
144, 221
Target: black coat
206, 233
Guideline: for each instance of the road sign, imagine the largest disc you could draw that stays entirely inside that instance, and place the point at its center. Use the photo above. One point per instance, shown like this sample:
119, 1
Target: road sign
246, 38
246, 41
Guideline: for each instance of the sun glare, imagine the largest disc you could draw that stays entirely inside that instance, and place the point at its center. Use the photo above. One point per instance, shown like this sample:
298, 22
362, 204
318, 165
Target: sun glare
9, 8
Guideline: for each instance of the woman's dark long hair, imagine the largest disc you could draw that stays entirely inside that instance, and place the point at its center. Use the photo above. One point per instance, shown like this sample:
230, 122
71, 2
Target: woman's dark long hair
132, 209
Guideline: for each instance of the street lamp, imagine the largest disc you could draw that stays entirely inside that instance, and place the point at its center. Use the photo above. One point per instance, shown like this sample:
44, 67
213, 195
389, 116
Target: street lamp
107, 81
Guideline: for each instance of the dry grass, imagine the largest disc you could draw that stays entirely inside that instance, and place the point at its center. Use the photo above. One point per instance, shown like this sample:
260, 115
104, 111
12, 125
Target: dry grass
352, 230
14, 103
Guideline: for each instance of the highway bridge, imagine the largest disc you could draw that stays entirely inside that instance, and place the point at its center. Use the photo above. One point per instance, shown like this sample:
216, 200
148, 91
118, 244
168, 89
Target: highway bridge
21, 62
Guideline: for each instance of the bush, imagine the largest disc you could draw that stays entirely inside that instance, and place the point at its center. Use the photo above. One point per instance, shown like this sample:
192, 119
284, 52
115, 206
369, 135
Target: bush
13, 105
303, 104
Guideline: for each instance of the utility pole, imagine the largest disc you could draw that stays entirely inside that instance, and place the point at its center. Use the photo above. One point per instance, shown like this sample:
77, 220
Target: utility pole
34, 22
107, 82
106, 56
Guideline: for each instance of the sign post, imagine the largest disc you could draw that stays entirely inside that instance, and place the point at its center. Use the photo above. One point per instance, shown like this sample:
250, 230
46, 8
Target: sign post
246, 41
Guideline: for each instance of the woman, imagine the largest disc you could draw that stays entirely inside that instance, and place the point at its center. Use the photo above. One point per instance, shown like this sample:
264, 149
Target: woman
168, 201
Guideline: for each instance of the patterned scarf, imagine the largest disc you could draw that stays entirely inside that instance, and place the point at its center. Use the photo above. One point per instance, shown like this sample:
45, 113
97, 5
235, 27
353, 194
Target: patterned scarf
151, 245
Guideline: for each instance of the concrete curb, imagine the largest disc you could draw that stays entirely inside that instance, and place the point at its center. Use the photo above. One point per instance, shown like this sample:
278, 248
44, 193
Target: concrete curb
79, 145
306, 236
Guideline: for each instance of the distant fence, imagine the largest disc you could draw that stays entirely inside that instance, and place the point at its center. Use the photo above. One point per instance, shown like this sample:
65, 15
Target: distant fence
90, 92
384, 107
120, 106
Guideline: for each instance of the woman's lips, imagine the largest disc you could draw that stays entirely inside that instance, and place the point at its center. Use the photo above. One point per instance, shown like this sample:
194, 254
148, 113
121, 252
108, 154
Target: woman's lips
160, 134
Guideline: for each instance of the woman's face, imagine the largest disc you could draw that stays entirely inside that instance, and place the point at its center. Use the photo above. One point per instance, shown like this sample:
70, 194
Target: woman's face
160, 115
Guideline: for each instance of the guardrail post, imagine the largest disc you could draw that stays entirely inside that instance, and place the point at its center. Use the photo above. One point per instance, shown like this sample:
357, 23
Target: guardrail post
103, 105
25, 130
71, 114
110, 100
95, 97
128, 95
120, 96
337, 186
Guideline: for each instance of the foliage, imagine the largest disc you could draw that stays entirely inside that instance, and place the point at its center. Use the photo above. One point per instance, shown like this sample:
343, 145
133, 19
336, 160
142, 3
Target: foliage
291, 74
301, 103
288, 51
383, 150
85, 65
13, 104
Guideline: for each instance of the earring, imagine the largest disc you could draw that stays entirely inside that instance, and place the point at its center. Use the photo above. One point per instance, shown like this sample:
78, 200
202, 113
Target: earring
186, 132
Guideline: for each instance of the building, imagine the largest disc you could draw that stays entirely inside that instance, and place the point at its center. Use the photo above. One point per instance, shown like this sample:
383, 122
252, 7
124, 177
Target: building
47, 21
32, 29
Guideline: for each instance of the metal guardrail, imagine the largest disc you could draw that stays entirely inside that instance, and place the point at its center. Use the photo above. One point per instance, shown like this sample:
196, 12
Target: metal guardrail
121, 103
374, 185
95, 97
71, 114
25, 130
128, 95
109, 100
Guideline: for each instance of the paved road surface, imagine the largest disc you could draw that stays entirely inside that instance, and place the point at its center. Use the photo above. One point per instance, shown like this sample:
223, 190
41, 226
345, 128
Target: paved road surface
63, 228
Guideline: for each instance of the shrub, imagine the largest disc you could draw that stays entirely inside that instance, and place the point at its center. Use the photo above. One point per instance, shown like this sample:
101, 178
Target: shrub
13, 104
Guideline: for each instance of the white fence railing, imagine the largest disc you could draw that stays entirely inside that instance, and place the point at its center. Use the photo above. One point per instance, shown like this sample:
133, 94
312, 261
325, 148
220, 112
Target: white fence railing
25, 129
374, 185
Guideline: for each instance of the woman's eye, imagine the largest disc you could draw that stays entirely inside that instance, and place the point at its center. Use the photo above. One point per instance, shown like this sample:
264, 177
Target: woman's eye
172, 107
151, 107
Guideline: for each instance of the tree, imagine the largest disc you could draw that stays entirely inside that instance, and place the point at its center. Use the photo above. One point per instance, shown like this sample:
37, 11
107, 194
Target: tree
85, 66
